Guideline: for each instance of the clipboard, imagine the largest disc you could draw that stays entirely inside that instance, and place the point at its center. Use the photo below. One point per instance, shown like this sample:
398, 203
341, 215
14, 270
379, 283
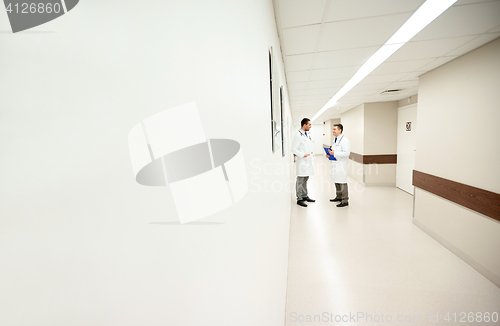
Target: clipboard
331, 158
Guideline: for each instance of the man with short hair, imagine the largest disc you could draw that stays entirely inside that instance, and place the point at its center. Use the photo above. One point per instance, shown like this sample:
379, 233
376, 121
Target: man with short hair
341, 149
302, 148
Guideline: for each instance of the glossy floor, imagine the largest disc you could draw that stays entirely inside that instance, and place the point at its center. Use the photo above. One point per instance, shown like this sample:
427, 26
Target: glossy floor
367, 264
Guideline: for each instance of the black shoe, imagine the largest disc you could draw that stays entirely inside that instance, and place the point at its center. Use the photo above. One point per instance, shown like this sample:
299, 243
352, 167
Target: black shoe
307, 199
301, 203
343, 205
336, 199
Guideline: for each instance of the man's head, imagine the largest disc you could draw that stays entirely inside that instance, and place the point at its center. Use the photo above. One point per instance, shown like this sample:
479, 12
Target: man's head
337, 129
305, 124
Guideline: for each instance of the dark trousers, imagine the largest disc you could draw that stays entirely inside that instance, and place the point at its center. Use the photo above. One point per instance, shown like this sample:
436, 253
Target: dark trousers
342, 192
301, 187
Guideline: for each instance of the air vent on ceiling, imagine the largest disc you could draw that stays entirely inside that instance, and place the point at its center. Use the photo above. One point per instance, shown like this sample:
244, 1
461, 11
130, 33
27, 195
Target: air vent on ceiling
391, 91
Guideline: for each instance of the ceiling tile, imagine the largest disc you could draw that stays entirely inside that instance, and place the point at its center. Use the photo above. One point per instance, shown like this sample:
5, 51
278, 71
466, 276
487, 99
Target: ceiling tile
462, 20
369, 87
384, 98
343, 10
400, 66
299, 12
376, 98
294, 86
344, 108
310, 103
474, 44
321, 91
465, 2
429, 48
294, 99
342, 58
353, 98
298, 92
300, 116
324, 91
355, 29
410, 91
314, 102
295, 95
382, 78
300, 40
316, 97
438, 62
353, 93
297, 76
403, 95
404, 85
373, 31
323, 74
413, 75
299, 62
313, 108
337, 83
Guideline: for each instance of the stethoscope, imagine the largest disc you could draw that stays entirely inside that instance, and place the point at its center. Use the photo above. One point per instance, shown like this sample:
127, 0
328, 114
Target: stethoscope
304, 134
338, 140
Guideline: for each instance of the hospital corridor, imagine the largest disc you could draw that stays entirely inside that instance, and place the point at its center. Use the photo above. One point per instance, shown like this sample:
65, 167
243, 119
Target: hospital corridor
249, 162
369, 263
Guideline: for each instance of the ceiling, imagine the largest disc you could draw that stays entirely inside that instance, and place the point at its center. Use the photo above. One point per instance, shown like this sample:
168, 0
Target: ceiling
324, 42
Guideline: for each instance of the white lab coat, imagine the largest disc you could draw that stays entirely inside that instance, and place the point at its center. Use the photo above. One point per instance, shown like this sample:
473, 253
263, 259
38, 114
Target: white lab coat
301, 145
342, 150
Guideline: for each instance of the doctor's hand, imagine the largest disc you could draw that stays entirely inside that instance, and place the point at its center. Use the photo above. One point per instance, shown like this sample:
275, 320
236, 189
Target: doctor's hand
330, 151
307, 155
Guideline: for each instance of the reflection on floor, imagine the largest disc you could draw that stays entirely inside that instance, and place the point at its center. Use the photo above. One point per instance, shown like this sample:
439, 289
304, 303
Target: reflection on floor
367, 264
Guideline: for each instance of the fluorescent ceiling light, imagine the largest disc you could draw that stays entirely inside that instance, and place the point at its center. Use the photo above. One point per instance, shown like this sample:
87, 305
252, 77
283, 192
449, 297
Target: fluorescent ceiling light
427, 12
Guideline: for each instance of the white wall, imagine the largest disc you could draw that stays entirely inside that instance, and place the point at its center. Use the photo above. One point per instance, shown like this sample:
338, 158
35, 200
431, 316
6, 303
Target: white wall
353, 122
316, 134
372, 130
381, 128
328, 131
408, 101
458, 136
380, 137
80, 241
380, 175
356, 171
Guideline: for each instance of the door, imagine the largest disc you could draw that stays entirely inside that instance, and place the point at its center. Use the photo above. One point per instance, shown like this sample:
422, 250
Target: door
407, 128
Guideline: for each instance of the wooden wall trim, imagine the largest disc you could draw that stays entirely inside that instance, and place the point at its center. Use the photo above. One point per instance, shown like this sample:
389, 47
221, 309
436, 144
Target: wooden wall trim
479, 200
374, 159
356, 157
380, 159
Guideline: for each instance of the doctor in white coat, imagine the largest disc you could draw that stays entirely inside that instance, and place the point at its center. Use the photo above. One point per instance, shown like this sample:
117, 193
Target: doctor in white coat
302, 148
341, 149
